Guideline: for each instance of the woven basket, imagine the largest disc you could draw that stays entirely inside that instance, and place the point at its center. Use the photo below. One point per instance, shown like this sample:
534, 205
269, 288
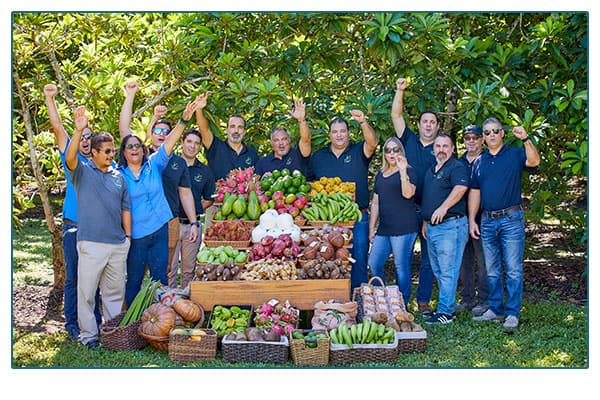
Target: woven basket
347, 224
184, 348
341, 354
412, 342
304, 355
160, 343
299, 222
245, 221
242, 244
234, 351
115, 337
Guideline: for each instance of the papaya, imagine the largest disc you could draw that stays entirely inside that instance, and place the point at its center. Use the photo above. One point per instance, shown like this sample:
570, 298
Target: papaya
253, 209
239, 206
227, 206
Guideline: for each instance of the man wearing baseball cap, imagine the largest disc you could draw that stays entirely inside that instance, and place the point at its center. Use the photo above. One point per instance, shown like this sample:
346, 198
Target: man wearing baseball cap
473, 278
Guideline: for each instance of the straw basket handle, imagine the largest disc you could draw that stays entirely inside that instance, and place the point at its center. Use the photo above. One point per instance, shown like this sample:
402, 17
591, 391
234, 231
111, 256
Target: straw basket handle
376, 278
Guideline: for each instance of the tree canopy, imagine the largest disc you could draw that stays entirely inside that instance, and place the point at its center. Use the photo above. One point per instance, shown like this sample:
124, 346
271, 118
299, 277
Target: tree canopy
527, 69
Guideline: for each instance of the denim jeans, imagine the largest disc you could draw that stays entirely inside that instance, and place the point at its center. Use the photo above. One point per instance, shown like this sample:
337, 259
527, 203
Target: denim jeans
473, 276
360, 252
151, 250
504, 242
425, 273
69, 239
402, 247
446, 246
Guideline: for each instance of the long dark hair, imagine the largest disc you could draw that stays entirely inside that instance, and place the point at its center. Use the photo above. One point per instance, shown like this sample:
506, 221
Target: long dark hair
122, 160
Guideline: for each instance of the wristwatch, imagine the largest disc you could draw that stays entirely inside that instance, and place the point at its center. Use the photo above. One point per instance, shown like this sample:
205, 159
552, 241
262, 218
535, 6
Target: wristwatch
196, 223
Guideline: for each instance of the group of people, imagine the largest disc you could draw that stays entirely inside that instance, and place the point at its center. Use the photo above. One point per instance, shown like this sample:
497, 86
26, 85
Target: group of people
143, 212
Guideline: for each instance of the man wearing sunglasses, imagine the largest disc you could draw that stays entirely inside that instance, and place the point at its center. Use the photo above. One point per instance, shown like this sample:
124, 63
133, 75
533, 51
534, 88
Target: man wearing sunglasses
473, 278
175, 177
496, 190
69, 212
225, 155
420, 155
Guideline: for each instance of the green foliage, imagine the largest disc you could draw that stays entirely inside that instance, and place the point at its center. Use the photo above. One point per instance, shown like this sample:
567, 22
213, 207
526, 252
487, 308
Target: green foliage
519, 67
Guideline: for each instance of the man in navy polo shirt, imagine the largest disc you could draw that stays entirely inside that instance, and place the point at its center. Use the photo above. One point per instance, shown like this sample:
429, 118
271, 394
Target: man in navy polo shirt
444, 223
496, 189
473, 278
223, 156
420, 155
283, 155
350, 162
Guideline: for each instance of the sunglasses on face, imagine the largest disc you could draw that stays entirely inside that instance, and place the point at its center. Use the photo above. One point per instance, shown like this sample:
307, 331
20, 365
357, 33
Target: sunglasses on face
133, 146
468, 138
108, 151
86, 136
162, 131
388, 150
487, 132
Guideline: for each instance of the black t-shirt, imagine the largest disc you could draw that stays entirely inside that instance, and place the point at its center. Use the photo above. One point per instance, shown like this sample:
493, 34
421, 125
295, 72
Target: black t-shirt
419, 157
438, 185
397, 214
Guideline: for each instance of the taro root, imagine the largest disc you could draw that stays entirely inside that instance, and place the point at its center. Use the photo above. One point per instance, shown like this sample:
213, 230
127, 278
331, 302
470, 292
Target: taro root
311, 273
220, 270
226, 274
212, 276
301, 274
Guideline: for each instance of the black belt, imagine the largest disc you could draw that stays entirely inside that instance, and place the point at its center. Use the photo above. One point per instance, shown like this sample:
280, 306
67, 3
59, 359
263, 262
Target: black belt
184, 220
448, 219
502, 213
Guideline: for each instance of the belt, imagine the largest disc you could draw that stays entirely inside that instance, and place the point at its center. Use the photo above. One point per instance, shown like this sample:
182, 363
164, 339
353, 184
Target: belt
503, 212
67, 221
364, 210
184, 220
448, 219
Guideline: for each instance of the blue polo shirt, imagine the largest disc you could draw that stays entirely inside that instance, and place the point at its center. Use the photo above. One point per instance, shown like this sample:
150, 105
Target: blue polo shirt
203, 186
419, 157
292, 160
438, 185
222, 158
69, 209
176, 175
351, 166
397, 214
498, 177
149, 207
102, 197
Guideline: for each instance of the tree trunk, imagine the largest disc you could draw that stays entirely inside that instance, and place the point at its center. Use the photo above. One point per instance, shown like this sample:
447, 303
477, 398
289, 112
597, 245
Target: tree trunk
58, 263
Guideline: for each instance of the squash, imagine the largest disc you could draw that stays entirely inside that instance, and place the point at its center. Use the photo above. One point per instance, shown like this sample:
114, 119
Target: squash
157, 320
188, 310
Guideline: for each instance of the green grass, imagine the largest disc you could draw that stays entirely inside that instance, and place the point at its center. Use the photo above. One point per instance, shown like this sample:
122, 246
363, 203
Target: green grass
552, 334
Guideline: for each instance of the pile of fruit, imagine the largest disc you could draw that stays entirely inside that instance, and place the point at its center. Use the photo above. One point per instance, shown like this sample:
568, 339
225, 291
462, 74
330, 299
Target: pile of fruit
325, 244
226, 320
238, 181
221, 255
337, 207
366, 332
230, 230
269, 270
274, 316
242, 206
332, 185
254, 334
284, 181
310, 338
320, 269
227, 271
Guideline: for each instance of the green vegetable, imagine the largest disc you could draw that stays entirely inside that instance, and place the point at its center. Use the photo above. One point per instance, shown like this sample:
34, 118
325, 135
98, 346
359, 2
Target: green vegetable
140, 302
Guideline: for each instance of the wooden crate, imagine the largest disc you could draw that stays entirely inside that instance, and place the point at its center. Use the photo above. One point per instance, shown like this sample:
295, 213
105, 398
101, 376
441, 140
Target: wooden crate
302, 294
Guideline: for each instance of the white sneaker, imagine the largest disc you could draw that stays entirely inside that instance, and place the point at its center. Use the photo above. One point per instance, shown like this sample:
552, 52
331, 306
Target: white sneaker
511, 322
489, 315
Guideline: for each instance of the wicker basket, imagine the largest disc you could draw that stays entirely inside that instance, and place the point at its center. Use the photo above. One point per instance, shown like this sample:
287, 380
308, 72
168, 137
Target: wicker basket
115, 337
346, 224
341, 354
234, 351
313, 356
245, 221
160, 343
242, 244
184, 348
412, 342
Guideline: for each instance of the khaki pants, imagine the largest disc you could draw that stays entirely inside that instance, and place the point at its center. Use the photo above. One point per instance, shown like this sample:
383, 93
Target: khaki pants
173, 239
101, 265
188, 251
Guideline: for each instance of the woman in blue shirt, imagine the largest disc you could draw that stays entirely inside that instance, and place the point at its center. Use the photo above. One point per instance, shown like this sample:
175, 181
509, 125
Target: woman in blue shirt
394, 207
150, 211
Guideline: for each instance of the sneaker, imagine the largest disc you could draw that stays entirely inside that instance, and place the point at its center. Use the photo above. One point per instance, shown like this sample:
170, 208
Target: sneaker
480, 308
440, 319
463, 306
511, 322
425, 308
93, 344
489, 315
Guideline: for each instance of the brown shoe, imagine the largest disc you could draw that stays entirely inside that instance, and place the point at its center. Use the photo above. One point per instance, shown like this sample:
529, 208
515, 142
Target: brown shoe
425, 309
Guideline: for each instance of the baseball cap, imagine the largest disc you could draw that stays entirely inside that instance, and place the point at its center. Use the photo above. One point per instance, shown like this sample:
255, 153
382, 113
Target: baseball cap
476, 129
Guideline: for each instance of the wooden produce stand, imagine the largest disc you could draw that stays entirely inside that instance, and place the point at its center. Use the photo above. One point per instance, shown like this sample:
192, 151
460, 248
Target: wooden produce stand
302, 294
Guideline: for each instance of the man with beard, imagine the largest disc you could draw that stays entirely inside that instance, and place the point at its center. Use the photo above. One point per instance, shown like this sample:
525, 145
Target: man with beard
223, 156
69, 212
496, 190
444, 223
283, 155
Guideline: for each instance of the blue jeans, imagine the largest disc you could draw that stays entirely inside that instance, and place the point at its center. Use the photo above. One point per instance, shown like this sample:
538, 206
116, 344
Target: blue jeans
360, 252
446, 246
151, 250
504, 242
425, 273
472, 274
402, 247
69, 240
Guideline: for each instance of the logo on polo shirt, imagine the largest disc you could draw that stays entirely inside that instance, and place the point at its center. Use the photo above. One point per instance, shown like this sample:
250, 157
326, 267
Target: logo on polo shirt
248, 160
198, 178
347, 159
288, 161
174, 166
117, 181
